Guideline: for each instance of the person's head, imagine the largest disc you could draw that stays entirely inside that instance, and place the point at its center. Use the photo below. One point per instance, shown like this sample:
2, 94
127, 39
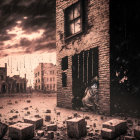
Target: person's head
95, 80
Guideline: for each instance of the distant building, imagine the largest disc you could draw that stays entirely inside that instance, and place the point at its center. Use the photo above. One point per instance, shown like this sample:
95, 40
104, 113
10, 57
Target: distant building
20, 84
14, 84
3, 76
45, 77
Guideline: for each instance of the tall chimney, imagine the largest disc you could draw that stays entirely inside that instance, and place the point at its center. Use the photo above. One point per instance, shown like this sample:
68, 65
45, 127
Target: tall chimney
6, 68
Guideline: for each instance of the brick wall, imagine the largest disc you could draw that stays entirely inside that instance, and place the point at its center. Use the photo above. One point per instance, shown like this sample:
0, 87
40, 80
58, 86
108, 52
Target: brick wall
96, 33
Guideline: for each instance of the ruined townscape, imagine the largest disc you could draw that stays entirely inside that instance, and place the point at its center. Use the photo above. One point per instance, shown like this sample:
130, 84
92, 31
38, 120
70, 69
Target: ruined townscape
68, 70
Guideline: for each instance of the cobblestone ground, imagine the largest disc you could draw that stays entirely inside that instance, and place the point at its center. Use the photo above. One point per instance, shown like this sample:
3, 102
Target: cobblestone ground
14, 109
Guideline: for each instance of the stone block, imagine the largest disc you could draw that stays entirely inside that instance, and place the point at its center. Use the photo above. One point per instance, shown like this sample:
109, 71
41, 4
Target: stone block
50, 135
107, 133
137, 132
76, 127
48, 111
21, 131
40, 133
47, 118
51, 127
28, 101
37, 122
116, 125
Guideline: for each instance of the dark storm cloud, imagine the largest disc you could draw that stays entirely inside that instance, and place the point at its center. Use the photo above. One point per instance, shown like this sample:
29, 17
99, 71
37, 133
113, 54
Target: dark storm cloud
25, 42
50, 46
40, 14
4, 37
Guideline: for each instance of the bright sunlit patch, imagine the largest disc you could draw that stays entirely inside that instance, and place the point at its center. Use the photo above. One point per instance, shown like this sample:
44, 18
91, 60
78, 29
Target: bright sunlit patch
20, 34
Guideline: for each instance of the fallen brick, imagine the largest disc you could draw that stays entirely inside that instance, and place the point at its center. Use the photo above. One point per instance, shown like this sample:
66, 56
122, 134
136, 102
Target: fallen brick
11, 118
28, 112
87, 117
26, 108
15, 116
58, 113
48, 111
76, 127
50, 135
40, 133
94, 125
75, 115
9, 103
47, 118
1, 107
51, 127
28, 101
69, 117
37, 122
37, 116
16, 102
21, 131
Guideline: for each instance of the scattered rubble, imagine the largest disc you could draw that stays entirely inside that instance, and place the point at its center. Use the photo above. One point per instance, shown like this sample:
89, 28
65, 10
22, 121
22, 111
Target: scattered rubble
53, 123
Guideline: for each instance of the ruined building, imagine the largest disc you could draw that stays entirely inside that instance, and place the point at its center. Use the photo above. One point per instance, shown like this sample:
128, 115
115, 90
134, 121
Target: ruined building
83, 50
45, 77
14, 84
99, 38
3, 76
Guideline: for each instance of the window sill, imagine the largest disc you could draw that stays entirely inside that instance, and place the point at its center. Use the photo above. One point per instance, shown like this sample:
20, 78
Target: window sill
72, 36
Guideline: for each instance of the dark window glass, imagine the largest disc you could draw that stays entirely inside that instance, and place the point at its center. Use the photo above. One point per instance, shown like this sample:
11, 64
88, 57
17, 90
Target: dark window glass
64, 79
65, 63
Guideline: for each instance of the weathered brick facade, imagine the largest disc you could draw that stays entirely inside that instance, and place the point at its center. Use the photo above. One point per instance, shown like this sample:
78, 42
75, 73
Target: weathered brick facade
95, 34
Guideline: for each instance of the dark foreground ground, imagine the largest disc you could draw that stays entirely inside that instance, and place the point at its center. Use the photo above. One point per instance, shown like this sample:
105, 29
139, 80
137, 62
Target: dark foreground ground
38, 103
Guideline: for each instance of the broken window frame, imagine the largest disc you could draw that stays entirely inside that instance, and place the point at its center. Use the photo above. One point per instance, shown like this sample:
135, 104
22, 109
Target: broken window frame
69, 22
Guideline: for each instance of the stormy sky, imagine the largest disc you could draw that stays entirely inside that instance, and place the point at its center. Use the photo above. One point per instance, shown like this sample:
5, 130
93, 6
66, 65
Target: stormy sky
27, 26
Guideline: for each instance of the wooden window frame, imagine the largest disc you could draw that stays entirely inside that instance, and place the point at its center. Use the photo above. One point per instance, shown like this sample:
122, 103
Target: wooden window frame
67, 23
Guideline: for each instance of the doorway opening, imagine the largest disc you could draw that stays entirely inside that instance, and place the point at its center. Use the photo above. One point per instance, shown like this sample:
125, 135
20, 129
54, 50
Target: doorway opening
84, 68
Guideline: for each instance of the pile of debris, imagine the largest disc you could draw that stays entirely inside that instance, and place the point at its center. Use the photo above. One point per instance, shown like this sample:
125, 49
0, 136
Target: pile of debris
75, 126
